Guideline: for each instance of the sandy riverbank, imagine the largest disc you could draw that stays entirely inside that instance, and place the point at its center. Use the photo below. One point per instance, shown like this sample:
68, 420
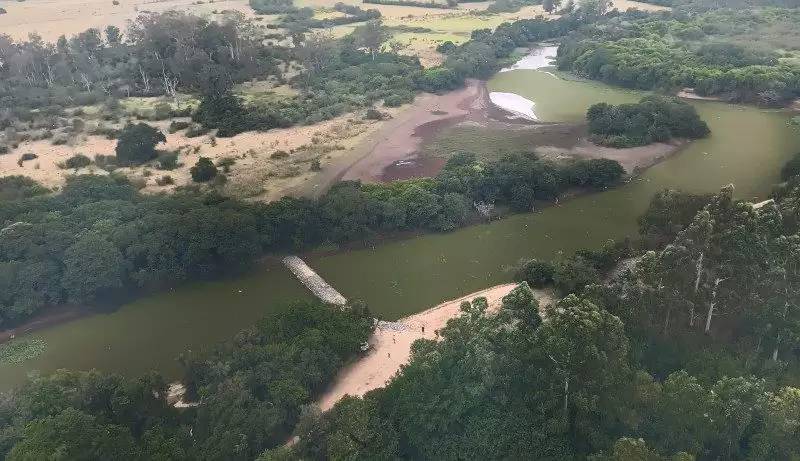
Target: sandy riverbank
391, 344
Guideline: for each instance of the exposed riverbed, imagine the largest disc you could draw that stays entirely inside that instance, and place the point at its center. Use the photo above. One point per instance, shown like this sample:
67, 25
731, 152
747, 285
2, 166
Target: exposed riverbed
747, 148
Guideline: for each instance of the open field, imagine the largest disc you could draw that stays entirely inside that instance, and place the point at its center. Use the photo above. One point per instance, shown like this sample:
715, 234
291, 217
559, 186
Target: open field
256, 172
52, 18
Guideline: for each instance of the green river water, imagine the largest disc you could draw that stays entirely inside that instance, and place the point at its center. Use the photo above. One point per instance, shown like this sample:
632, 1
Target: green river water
747, 148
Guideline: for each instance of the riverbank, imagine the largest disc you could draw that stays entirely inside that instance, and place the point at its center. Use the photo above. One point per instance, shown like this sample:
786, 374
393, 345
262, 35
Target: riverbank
391, 344
45, 319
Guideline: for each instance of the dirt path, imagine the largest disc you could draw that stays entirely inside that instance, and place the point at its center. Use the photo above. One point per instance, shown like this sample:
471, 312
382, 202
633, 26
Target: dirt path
391, 344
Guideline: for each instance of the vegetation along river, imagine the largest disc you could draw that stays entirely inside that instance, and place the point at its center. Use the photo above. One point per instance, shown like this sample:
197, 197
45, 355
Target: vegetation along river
747, 148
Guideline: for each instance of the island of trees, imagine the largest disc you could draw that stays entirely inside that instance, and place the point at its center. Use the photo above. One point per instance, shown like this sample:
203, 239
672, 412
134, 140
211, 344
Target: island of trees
653, 119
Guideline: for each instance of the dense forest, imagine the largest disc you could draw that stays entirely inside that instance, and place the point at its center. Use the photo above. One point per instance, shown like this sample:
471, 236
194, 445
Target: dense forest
737, 55
99, 239
653, 119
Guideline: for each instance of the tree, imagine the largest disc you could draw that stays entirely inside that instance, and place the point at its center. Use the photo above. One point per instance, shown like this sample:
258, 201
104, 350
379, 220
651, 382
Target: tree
522, 303
136, 144
317, 52
113, 35
92, 266
371, 36
353, 429
537, 273
204, 170
585, 350
72, 434
778, 439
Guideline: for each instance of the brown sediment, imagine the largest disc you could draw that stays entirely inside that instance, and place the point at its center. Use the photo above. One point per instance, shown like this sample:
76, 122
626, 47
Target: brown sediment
401, 139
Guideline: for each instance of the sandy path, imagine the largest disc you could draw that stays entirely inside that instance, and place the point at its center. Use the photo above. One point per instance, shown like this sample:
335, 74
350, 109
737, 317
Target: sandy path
392, 346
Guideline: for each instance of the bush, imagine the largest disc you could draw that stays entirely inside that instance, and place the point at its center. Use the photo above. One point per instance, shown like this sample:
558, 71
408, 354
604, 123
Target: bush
398, 99
106, 162
137, 144
176, 126
167, 161
315, 165
538, 274
373, 114
165, 180
196, 130
109, 133
25, 157
279, 154
59, 140
161, 111
226, 163
19, 187
203, 171
77, 161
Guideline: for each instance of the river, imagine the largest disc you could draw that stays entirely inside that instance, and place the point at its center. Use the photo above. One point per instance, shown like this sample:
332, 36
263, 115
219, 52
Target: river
747, 147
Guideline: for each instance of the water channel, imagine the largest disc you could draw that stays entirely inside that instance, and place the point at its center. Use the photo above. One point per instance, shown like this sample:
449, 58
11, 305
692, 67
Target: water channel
747, 148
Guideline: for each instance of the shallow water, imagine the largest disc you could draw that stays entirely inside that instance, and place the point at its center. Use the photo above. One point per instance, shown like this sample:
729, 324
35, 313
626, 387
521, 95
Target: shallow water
747, 148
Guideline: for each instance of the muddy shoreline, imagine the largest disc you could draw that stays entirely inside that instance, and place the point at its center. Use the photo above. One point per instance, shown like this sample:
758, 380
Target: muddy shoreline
46, 318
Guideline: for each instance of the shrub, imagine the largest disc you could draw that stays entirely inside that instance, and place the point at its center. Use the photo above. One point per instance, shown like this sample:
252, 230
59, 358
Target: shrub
176, 126
226, 163
161, 111
196, 130
109, 133
279, 154
106, 162
25, 157
538, 274
165, 180
204, 170
18, 187
398, 99
137, 144
315, 165
373, 114
59, 140
167, 161
77, 161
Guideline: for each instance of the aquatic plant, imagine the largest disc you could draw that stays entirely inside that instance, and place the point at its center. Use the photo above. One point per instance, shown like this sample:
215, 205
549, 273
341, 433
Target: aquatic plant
18, 351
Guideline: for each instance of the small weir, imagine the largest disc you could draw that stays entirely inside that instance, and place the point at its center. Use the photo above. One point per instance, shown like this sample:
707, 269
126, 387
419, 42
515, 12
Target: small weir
316, 284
